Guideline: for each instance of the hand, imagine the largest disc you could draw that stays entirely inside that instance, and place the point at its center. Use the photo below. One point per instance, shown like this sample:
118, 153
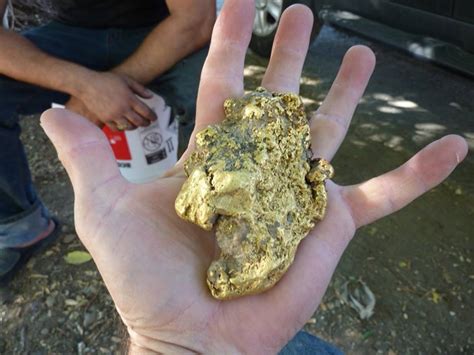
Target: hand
154, 264
110, 99
77, 106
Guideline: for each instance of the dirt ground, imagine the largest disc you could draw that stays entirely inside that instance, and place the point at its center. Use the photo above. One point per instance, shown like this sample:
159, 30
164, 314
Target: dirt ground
419, 263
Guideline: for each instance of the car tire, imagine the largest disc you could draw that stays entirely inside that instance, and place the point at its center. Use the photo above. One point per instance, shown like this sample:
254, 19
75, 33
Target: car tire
266, 22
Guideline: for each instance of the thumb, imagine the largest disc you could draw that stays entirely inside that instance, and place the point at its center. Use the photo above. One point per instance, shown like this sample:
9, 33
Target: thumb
82, 148
139, 89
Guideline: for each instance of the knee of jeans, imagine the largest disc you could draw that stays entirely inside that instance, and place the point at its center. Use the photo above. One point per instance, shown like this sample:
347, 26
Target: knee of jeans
9, 120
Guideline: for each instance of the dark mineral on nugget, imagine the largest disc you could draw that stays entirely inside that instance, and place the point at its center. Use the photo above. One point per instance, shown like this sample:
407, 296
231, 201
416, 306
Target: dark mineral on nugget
252, 177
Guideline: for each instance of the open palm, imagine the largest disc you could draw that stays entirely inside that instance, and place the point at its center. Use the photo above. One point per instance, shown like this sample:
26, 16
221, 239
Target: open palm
154, 264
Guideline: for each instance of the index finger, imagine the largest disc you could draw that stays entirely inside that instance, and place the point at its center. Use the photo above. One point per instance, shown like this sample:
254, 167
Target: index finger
222, 73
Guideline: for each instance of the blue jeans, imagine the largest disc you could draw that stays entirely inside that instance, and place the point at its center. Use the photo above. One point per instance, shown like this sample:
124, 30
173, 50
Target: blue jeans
306, 344
22, 215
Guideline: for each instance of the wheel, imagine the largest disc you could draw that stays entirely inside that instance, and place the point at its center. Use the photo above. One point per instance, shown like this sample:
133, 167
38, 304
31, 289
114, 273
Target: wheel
267, 16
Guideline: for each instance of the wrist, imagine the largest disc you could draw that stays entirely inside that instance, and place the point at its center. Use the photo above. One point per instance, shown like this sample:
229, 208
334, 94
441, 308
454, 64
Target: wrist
127, 71
136, 349
84, 82
138, 344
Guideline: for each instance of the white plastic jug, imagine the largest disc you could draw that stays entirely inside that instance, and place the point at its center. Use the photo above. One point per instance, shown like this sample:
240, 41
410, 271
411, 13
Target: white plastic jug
146, 153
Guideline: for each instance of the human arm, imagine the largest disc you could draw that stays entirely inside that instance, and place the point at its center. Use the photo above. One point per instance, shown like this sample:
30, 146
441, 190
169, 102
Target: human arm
22, 60
187, 28
156, 277
107, 97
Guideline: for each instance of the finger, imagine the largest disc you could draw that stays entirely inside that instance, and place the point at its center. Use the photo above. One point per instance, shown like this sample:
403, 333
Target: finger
135, 120
123, 124
143, 110
390, 192
289, 50
113, 127
95, 120
330, 122
139, 89
222, 73
82, 148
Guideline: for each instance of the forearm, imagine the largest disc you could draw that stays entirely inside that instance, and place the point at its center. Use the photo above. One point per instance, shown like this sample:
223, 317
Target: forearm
22, 60
172, 40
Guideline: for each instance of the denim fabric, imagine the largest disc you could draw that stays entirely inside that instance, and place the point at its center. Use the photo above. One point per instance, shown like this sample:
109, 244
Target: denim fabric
22, 215
307, 344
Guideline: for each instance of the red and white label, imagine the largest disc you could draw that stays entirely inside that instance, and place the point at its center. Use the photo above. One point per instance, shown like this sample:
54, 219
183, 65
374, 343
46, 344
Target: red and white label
118, 141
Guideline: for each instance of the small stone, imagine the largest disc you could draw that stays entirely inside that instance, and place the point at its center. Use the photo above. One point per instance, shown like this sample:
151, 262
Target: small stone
89, 291
69, 238
81, 347
74, 316
89, 319
30, 264
50, 301
6, 296
44, 331
116, 340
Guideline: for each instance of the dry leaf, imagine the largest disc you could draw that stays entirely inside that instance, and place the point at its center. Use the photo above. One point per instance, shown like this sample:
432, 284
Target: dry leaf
435, 297
77, 257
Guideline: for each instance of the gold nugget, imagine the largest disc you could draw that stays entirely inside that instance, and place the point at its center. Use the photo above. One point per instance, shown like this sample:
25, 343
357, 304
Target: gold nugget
252, 177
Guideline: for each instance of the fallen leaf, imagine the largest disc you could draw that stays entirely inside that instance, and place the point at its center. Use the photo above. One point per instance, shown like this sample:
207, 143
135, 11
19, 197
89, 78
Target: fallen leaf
367, 334
38, 276
372, 230
435, 297
77, 257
